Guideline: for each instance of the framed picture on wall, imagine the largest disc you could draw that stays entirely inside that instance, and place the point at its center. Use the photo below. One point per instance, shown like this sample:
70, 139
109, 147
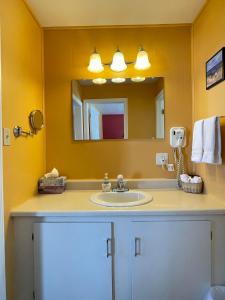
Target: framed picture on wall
215, 69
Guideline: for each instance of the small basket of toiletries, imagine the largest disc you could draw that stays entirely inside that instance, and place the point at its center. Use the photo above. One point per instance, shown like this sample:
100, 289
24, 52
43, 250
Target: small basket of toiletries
191, 184
194, 188
52, 183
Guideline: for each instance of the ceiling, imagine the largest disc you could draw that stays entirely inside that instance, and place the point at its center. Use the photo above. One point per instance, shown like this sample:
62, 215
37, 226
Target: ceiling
61, 13
110, 108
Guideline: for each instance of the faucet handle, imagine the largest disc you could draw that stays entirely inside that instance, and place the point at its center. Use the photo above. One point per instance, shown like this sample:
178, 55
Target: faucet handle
120, 177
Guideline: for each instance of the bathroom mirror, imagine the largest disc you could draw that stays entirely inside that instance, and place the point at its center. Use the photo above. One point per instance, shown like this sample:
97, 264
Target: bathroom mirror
36, 120
119, 108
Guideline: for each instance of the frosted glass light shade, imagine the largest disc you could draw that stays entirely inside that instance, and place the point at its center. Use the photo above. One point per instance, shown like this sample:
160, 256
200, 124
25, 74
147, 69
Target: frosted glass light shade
118, 63
95, 63
99, 81
118, 80
142, 61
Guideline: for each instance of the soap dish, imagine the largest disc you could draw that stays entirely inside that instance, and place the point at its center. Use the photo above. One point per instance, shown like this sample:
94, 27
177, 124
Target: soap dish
194, 188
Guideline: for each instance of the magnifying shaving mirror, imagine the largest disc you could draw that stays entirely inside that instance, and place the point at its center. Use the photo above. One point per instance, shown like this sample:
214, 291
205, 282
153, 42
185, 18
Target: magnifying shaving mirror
36, 120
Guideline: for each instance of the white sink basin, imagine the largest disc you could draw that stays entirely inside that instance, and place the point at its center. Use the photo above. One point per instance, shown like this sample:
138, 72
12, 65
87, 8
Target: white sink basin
118, 199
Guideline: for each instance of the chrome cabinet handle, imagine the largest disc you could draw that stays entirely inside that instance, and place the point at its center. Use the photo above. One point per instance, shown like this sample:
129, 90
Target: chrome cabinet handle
109, 247
137, 246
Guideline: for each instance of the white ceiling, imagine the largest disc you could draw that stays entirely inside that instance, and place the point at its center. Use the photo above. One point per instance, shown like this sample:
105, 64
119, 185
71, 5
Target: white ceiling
60, 13
110, 108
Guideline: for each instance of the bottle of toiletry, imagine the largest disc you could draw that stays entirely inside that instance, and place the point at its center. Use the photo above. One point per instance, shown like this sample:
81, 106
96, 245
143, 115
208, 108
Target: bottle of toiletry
106, 185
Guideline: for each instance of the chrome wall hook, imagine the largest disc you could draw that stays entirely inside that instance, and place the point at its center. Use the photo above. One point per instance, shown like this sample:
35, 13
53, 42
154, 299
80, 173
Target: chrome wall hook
18, 131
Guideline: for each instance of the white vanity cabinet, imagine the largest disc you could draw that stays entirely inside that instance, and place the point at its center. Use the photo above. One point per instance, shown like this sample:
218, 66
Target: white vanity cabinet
171, 260
112, 258
72, 261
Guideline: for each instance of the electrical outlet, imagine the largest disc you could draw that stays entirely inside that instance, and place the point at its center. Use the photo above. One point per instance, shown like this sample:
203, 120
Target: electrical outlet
170, 168
161, 159
6, 137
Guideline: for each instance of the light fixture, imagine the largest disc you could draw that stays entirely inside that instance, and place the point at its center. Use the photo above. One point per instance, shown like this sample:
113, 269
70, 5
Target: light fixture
142, 61
99, 81
95, 63
118, 63
118, 80
138, 79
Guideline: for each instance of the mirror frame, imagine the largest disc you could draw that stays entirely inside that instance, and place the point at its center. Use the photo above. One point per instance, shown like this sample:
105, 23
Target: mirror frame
126, 139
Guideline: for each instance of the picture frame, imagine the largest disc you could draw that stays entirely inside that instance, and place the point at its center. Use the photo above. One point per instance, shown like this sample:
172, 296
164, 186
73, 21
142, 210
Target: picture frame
215, 69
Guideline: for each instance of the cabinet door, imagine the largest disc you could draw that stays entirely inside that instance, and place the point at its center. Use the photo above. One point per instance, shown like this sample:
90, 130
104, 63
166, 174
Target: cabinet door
73, 261
171, 260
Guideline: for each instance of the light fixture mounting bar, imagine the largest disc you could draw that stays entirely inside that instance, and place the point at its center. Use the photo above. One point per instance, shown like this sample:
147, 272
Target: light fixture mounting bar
127, 62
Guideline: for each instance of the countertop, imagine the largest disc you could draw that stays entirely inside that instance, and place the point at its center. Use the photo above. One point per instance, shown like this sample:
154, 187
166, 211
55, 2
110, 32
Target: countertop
77, 203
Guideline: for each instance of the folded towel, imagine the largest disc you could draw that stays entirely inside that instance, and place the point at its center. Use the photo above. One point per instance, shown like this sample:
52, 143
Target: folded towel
188, 179
185, 178
212, 141
196, 179
197, 144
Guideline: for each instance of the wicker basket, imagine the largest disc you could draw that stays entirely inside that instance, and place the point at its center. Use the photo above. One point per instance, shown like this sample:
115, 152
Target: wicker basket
194, 188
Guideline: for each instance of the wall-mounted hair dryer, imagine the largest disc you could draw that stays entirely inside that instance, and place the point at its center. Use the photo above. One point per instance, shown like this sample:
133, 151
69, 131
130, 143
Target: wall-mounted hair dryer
177, 142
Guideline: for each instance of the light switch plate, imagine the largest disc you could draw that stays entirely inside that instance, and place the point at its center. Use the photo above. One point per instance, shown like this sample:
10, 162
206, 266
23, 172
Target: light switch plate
161, 159
6, 137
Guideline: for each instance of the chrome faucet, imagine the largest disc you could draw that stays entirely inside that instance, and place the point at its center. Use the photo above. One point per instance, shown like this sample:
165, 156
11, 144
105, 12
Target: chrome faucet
121, 184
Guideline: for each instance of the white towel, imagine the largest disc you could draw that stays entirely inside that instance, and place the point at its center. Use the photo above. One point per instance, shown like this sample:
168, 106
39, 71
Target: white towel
185, 178
212, 141
197, 143
196, 179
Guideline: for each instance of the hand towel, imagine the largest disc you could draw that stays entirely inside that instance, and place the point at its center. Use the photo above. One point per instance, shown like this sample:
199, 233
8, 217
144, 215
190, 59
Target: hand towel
197, 143
212, 141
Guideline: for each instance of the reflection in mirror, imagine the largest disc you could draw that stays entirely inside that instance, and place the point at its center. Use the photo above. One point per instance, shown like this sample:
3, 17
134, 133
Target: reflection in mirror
126, 110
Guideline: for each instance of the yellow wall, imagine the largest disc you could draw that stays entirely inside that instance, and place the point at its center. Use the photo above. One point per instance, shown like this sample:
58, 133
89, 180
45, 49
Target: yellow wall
66, 57
208, 38
141, 104
22, 83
